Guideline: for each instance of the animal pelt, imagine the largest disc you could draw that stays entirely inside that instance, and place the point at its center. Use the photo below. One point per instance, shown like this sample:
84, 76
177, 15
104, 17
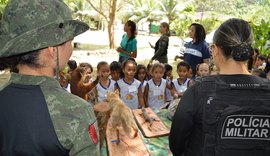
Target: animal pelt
120, 115
77, 85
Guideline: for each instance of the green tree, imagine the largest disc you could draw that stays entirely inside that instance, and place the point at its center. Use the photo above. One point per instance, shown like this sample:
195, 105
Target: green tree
172, 8
141, 11
261, 35
108, 9
181, 24
3, 3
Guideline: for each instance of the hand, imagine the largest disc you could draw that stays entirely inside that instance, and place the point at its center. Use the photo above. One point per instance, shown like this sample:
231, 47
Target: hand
151, 45
150, 62
170, 77
119, 49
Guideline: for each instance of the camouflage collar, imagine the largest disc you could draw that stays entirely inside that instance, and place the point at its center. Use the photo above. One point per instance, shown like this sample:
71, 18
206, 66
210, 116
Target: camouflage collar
33, 80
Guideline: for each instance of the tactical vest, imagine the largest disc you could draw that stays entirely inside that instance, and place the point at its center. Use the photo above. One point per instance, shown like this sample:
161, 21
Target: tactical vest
236, 118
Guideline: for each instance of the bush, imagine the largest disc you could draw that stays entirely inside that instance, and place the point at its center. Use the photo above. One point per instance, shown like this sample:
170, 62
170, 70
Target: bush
261, 33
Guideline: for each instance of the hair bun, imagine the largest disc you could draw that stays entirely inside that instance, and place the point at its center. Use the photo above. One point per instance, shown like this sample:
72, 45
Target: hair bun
242, 52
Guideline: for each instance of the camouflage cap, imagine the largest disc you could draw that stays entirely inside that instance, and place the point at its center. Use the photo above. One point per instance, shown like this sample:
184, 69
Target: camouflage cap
29, 25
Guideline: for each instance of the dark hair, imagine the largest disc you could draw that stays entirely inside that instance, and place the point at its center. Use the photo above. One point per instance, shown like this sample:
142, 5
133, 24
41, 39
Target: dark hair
115, 66
124, 65
183, 64
235, 37
156, 65
86, 65
267, 67
132, 29
11, 62
262, 57
259, 72
167, 68
139, 67
251, 60
132, 59
72, 64
102, 63
199, 32
167, 26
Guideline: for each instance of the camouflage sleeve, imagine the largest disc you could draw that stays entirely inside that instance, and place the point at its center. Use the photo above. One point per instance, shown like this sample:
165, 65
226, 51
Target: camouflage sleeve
163, 42
74, 122
86, 140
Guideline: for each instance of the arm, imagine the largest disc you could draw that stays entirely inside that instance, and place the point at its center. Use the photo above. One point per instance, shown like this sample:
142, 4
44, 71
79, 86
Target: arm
146, 90
182, 124
133, 49
206, 53
96, 95
140, 97
163, 42
116, 87
86, 140
132, 54
174, 91
87, 87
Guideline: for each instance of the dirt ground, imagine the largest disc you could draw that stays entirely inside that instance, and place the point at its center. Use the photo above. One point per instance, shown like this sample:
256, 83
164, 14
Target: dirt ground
101, 38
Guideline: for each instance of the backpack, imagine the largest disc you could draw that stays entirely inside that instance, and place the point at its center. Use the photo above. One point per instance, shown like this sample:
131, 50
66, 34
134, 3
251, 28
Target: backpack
236, 118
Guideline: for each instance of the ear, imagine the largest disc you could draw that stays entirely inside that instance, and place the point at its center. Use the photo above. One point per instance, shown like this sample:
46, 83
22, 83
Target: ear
102, 107
52, 52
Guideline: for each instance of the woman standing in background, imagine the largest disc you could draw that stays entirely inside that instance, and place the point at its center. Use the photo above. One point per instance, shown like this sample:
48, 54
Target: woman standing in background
197, 51
128, 45
161, 46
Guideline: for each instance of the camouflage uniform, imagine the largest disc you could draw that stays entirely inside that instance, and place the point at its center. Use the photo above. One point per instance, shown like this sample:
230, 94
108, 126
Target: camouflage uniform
37, 116
161, 49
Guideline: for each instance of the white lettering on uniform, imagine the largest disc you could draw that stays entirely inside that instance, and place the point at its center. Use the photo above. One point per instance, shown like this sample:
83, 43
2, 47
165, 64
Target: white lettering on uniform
253, 123
246, 127
230, 121
266, 123
229, 132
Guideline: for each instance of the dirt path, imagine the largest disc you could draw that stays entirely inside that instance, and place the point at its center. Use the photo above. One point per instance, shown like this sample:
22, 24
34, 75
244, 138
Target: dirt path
100, 38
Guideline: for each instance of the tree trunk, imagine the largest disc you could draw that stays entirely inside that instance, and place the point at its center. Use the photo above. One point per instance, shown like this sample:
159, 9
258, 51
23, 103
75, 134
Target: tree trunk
111, 23
111, 34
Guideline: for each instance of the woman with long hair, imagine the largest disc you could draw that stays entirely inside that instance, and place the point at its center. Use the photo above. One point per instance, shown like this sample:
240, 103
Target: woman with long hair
161, 46
128, 45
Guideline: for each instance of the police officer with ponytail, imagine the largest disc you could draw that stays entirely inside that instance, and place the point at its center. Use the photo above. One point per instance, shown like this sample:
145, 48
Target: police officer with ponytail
226, 114
37, 116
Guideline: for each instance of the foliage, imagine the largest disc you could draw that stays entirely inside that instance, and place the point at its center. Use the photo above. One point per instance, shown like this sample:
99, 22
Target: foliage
210, 24
173, 8
181, 24
140, 11
2, 7
261, 35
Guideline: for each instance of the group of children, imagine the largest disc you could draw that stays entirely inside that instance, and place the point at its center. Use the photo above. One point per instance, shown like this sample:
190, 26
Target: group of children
140, 86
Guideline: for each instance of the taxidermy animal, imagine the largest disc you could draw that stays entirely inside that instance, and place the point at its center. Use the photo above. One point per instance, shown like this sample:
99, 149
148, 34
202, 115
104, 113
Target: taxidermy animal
146, 117
120, 114
77, 85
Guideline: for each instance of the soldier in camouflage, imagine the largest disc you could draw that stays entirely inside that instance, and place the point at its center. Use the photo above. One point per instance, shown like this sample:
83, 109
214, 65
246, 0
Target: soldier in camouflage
161, 46
37, 116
